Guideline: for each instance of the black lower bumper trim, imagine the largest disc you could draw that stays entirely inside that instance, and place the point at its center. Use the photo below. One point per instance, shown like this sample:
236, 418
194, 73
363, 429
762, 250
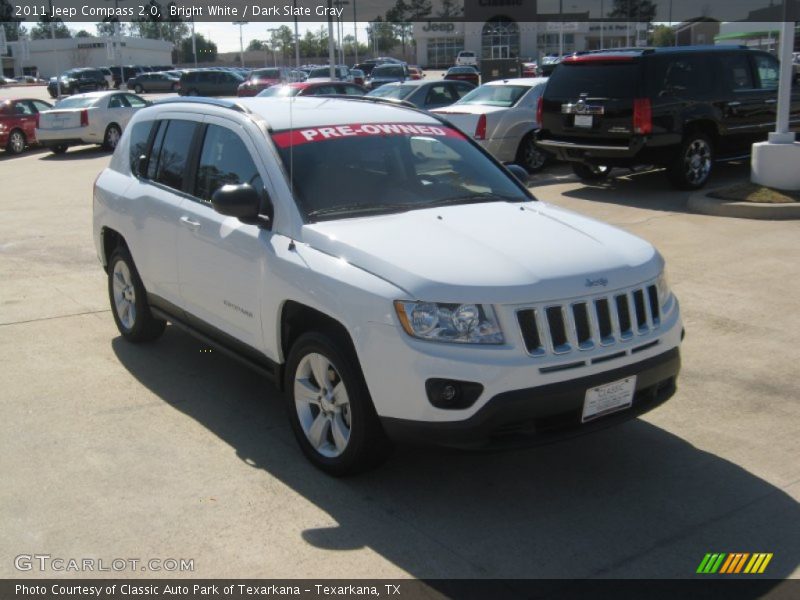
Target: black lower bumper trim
546, 413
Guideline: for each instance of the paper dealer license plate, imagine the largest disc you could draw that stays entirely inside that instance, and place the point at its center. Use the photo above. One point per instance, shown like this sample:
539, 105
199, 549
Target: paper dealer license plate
608, 398
583, 121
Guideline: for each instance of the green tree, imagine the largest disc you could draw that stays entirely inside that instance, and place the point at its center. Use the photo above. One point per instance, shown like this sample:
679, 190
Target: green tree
383, 35
206, 49
255, 45
662, 35
83, 34
282, 40
12, 25
450, 9
634, 10
41, 31
106, 28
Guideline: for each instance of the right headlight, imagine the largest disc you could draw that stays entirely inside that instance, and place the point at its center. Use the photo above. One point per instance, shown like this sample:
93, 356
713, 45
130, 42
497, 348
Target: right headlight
662, 286
454, 323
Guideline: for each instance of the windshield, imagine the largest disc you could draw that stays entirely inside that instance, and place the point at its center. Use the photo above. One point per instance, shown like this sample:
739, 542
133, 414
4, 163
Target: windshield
495, 95
324, 72
76, 102
280, 91
393, 91
388, 71
377, 168
265, 74
597, 80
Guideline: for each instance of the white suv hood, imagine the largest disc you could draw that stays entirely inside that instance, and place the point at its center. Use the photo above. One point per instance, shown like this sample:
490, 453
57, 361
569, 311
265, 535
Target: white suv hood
494, 252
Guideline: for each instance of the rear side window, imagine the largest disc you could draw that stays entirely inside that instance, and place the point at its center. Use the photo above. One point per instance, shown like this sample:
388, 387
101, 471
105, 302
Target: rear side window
224, 160
612, 80
173, 153
767, 69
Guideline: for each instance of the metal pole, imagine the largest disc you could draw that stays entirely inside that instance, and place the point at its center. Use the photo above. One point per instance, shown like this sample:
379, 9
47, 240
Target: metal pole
296, 38
241, 41
602, 26
194, 44
786, 73
331, 49
355, 31
561, 28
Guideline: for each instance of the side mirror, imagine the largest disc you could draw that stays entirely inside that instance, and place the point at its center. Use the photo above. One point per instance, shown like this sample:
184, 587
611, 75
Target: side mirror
519, 172
243, 202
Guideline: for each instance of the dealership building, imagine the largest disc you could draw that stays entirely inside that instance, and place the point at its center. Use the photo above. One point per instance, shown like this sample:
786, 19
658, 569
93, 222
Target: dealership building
48, 58
500, 36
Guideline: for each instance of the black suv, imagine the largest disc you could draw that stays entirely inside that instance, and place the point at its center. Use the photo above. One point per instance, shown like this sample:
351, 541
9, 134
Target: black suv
681, 108
210, 83
75, 81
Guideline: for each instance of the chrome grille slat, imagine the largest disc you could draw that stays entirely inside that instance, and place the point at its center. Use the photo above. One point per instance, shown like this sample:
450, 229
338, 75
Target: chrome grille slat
579, 325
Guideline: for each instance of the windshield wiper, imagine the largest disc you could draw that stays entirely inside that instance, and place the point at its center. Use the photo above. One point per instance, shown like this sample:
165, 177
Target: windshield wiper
473, 198
359, 209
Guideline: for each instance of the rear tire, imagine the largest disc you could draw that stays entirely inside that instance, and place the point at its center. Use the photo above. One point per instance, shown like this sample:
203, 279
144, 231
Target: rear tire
128, 300
193, 92
692, 166
587, 172
60, 149
329, 406
530, 156
138, 89
16, 142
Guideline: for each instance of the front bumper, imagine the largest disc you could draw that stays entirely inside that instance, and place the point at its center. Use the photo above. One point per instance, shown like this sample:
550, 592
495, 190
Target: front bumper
545, 413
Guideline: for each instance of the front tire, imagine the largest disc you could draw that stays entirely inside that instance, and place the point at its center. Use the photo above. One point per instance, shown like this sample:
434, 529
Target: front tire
329, 406
112, 137
587, 172
128, 300
138, 89
16, 142
59, 149
530, 156
692, 165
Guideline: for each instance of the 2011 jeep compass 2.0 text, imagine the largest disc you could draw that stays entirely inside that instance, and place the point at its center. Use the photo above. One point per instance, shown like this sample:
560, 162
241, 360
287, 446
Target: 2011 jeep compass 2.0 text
393, 278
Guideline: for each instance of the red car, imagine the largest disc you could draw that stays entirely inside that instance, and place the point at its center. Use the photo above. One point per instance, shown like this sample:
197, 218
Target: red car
18, 119
314, 88
530, 69
463, 74
415, 72
261, 79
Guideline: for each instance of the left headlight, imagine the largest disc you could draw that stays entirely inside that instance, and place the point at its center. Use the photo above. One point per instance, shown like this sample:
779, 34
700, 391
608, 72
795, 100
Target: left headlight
662, 286
455, 323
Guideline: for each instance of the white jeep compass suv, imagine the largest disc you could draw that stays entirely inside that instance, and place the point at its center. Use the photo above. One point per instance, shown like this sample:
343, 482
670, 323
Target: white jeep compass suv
385, 271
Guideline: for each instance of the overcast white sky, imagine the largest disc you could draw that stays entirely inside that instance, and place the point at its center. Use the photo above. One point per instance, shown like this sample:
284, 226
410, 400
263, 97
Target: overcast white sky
226, 35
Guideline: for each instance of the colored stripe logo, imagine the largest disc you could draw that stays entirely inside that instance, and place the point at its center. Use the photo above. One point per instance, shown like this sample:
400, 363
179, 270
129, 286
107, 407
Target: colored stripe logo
734, 563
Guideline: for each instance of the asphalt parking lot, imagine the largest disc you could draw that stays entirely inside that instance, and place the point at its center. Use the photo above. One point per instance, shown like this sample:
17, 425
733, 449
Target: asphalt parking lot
109, 450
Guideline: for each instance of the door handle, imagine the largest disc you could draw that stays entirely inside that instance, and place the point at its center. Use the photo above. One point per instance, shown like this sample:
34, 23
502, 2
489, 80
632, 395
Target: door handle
188, 222
734, 103
771, 101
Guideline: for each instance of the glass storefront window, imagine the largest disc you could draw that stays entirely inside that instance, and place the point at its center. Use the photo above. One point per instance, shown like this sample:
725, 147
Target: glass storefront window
442, 51
500, 39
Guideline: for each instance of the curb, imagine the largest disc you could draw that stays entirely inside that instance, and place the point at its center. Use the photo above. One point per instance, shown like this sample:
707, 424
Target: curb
700, 202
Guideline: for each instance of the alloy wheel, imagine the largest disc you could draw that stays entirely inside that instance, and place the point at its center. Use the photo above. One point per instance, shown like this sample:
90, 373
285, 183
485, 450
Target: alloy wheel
697, 161
16, 142
124, 295
322, 404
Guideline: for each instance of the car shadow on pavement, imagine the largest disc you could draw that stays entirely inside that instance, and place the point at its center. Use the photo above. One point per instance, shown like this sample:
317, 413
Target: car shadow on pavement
645, 188
32, 151
631, 501
80, 153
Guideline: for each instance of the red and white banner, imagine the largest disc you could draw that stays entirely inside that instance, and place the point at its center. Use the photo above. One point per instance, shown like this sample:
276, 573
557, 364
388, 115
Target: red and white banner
295, 137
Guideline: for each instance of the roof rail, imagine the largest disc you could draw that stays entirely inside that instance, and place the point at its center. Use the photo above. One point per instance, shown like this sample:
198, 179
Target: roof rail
375, 99
220, 102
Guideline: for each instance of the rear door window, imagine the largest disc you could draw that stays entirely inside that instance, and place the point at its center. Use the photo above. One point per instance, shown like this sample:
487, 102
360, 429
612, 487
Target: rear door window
736, 72
689, 75
173, 153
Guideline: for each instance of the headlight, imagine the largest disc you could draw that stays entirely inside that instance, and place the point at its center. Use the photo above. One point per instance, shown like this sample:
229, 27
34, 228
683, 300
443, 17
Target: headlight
662, 286
456, 323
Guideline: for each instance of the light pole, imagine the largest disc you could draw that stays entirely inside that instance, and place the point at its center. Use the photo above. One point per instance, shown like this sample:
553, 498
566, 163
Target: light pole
272, 31
241, 41
296, 38
340, 27
355, 32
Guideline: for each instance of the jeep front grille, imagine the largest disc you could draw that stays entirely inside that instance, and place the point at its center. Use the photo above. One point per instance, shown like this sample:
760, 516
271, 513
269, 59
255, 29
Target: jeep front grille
561, 328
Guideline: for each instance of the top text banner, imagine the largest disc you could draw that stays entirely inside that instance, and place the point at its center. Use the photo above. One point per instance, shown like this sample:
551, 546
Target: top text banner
477, 11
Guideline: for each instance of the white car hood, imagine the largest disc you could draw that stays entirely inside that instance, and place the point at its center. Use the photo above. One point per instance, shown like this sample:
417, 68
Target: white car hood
493, 252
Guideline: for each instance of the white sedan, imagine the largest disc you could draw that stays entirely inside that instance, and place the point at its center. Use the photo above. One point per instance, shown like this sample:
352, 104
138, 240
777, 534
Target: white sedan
501, 117
94, 118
